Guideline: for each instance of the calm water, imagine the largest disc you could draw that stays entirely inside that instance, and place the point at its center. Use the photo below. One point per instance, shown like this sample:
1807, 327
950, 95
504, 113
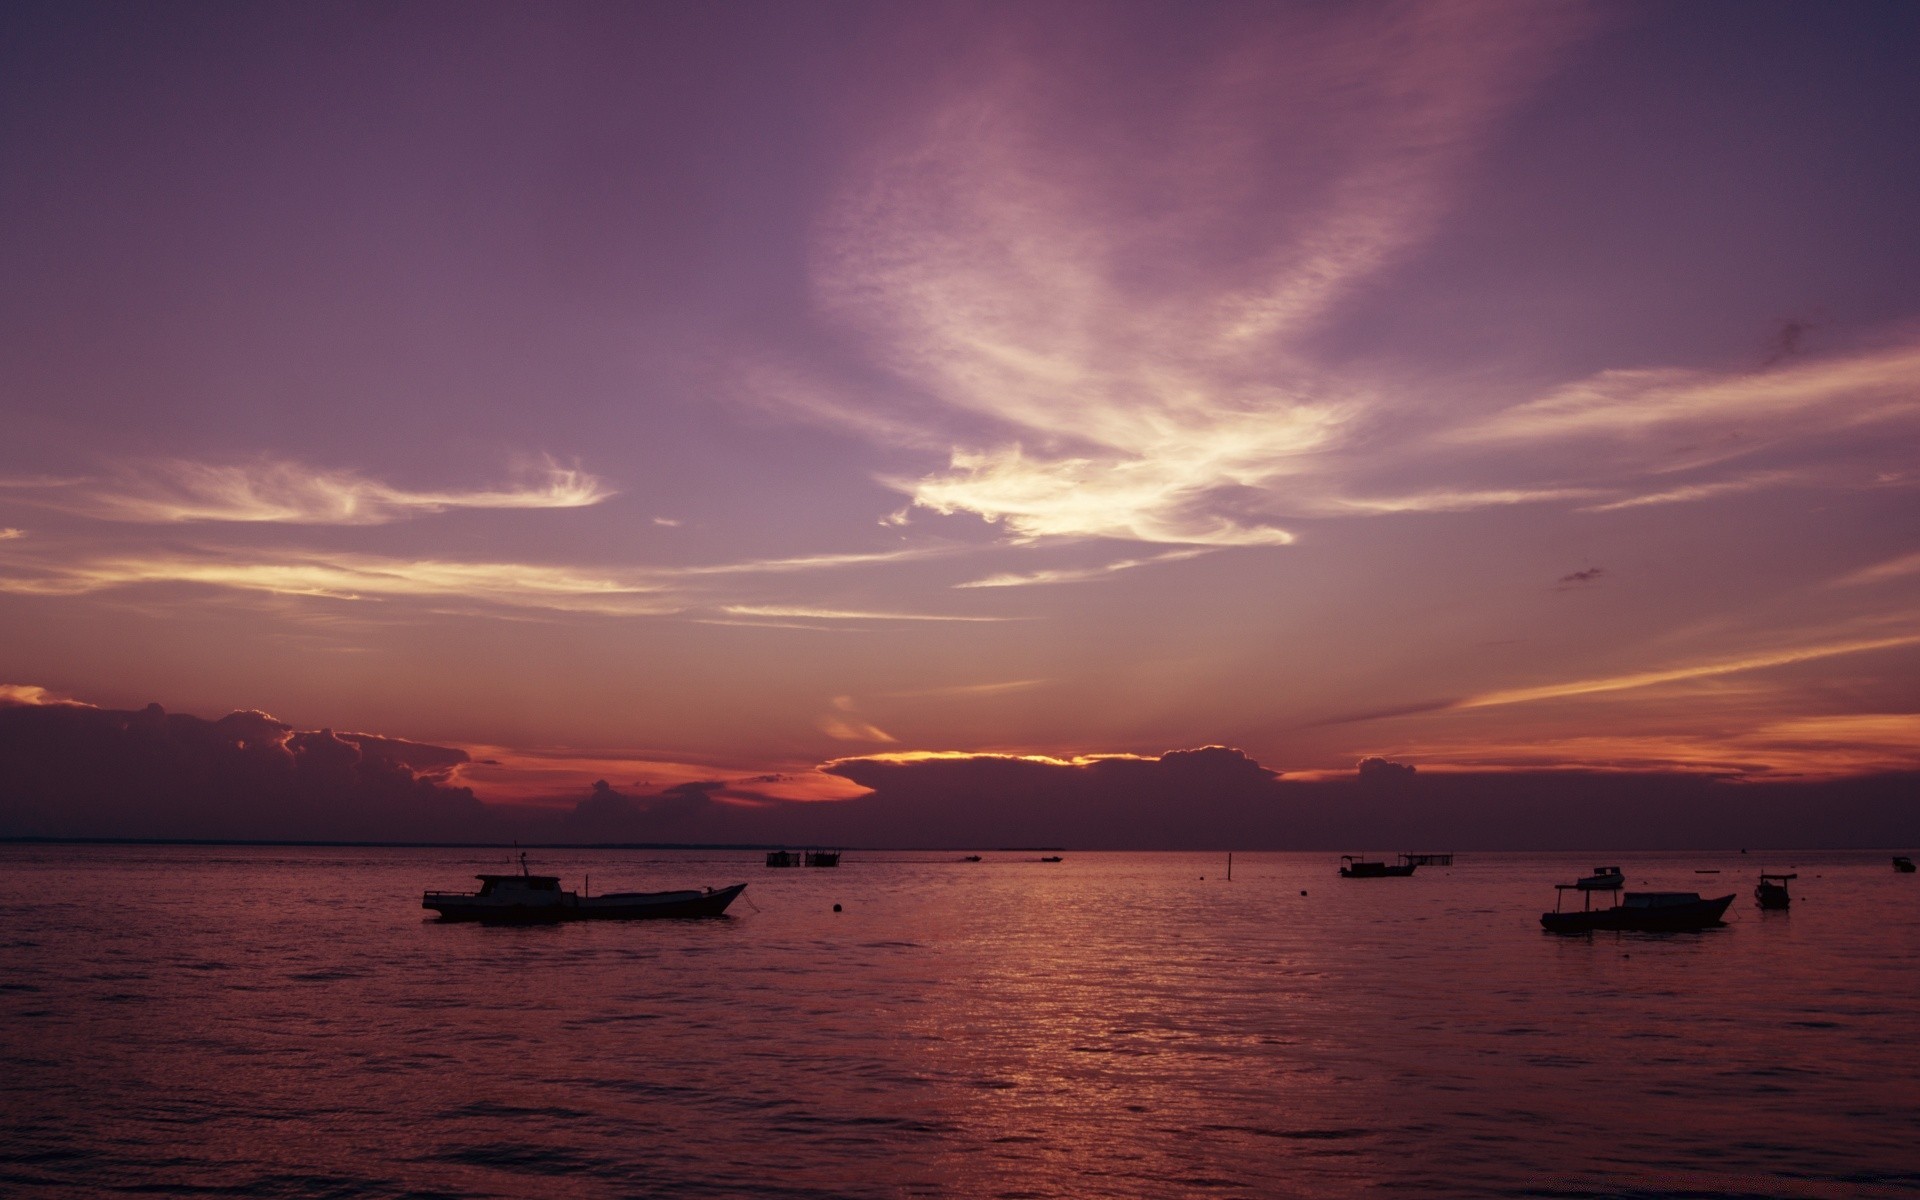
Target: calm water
273, 1022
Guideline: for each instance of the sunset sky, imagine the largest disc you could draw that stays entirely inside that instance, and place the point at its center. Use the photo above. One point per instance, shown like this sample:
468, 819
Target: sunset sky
674, 394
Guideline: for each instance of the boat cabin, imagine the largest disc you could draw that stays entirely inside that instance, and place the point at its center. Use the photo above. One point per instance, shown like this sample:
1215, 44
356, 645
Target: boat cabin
1771, 891
507, 885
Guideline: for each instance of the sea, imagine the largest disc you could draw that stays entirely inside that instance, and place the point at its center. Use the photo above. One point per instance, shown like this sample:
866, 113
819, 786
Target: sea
287, 1022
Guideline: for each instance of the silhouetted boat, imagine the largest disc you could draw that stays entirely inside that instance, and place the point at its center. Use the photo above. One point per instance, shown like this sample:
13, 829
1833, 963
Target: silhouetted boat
782, 858
1771, 891
1052, 858
529, 897
1660, 911
1903, 864
971, 858
1353, 866
823, 858
1603, 879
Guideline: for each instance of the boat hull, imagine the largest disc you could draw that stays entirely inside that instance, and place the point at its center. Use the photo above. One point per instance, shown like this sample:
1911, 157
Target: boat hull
615, 906
1665, 918
1376, 871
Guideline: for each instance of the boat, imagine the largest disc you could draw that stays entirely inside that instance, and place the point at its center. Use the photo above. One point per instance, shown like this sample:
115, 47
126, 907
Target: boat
782, 858
1603, 879
1903, 864
1658, 911
1353, 866
1052, 858
530, 897
971, 858
1771, 891
823, 858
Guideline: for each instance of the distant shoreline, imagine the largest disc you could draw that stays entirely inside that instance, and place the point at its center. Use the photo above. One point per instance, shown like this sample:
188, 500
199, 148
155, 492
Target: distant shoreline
751, 847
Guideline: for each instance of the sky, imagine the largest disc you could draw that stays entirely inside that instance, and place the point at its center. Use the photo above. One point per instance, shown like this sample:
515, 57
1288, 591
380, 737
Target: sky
770, 406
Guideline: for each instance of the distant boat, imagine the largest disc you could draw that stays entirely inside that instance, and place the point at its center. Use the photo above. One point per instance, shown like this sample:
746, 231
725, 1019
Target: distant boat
823, 858
782, 858
1353, 866
971, 858
1603, 879
1771, 891
1903, 864
1659, 911
1052, 858
529, 897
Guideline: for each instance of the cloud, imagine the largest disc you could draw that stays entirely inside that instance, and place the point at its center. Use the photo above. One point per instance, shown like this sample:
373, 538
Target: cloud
1893, 568
1641, 679
346, 576
1374, 769
21, 693
842, 725
69, 770
1100, 308
1077, 574
51, 568
833, 614
168, 491
1856, 389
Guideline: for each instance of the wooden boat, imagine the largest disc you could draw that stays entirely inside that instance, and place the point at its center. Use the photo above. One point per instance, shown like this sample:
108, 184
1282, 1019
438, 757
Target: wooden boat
529, 897
1603, 879
1657, 911
1903, 864
1771, 891
1353, 866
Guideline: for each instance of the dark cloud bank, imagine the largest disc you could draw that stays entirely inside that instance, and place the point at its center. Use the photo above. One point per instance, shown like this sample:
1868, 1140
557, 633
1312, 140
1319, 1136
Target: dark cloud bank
77, 771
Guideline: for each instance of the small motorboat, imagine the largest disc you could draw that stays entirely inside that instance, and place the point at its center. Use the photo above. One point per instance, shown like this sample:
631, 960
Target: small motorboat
1654, 911
1903, 864
1353, 866
1771, 891
1603, 879
530, 897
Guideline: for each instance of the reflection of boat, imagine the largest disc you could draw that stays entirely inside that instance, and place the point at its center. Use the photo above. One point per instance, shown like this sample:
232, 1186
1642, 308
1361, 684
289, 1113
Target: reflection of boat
1903, 864
1603, 879
1353, 866
1052, 858
1636, 910
529, 897
1771, 891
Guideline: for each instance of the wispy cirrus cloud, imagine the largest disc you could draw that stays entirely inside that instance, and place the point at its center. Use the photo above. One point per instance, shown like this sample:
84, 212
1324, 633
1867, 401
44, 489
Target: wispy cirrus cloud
1894, 568
1675, 674
345, 576
1103, 310
802, 612
1078, 574
58, 568
169, 491
1854, 389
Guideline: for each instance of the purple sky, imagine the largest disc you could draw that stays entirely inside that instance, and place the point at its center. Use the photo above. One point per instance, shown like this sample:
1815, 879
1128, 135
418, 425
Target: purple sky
676, 394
